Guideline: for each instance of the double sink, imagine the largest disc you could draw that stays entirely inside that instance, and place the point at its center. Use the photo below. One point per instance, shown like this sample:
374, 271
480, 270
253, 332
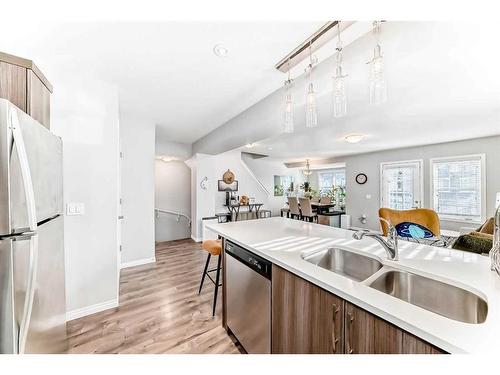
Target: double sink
441, 298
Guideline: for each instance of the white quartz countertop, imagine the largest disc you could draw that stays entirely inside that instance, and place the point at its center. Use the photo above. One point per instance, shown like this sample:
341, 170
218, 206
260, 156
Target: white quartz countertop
282, 241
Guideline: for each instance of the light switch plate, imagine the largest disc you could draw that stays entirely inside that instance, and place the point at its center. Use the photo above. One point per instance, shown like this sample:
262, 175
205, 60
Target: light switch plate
73, 209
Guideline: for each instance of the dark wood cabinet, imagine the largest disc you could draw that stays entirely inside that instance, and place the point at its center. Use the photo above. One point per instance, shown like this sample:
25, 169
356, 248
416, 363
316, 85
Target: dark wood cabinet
367, 334
24, 85
305, 318
414, 345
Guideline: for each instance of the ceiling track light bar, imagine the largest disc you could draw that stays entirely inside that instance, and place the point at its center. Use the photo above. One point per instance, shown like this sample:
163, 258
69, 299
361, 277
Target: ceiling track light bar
322, 36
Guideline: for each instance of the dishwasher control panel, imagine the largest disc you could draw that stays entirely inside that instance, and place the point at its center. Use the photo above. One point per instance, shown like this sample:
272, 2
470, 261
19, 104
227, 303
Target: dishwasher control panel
257, 263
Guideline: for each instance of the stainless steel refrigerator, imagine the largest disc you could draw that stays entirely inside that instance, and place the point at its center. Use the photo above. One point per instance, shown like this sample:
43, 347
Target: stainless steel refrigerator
32, 292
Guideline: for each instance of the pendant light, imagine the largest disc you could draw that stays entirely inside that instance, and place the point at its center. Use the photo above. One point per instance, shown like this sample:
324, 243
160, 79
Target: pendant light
339, 82
311, 113
307, 171
288, 110
378, 85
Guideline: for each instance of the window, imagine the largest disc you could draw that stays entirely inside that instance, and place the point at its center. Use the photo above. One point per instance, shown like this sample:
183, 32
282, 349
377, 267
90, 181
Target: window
458, 188
401, 185
283, 185
330, 178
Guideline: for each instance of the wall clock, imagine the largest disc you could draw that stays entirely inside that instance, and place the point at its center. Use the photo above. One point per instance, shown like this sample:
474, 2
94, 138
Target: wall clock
361, 178
228, 177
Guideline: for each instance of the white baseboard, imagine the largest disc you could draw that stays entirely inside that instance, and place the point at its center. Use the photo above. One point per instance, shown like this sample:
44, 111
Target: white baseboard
138, 262
92, 309
196, 239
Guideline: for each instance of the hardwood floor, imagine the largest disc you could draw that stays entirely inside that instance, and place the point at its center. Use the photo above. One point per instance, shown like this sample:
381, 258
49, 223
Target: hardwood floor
160, 310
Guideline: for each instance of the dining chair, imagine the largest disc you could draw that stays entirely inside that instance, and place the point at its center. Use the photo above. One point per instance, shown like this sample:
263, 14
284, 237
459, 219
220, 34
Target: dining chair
325, 200
294, 208
306, 209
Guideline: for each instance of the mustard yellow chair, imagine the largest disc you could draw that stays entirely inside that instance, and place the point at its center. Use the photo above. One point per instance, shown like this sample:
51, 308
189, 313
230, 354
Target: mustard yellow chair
423, 216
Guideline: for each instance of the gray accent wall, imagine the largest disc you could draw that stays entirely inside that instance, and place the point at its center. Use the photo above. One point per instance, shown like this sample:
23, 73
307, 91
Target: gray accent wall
357, 203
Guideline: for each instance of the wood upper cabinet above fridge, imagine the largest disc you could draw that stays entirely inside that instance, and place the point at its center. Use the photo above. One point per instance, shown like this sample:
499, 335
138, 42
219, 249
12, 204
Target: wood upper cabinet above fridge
24, 85
38, 100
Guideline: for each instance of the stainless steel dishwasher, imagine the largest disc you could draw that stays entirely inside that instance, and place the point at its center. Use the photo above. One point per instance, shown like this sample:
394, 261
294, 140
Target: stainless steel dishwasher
248, 298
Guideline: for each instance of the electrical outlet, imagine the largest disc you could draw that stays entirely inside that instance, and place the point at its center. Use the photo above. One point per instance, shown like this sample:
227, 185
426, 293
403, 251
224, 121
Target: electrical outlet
73, 209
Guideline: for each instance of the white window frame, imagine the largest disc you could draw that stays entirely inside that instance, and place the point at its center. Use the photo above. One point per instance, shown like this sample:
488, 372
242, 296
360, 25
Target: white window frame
453, 218
420, 163
332, 171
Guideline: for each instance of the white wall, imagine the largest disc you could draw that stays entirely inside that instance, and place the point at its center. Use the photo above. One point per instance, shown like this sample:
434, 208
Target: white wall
84, 114
265, 170
172, 192
357, 204
178, 150
255, 179
137, 138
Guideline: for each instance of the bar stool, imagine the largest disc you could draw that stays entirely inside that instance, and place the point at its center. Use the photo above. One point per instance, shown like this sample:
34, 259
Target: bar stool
213, 247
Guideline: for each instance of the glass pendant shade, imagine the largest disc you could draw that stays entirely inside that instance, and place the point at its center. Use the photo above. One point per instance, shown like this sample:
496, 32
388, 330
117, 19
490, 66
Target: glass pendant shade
288, 114
378, 85
311, 114
339, 94
339, 82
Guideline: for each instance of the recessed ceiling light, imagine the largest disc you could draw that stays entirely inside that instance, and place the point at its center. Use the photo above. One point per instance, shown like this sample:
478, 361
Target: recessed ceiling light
220, 50
354, 138
250, 145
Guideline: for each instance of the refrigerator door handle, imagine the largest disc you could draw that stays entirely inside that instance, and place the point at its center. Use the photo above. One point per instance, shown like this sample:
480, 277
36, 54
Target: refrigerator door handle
17, 135
29, 194
30, 288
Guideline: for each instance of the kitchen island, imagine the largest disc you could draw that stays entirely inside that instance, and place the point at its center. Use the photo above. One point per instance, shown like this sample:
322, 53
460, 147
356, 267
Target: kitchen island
284, 242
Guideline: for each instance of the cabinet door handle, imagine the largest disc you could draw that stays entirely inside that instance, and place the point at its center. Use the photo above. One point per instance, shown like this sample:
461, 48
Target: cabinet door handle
335, 340
350, 350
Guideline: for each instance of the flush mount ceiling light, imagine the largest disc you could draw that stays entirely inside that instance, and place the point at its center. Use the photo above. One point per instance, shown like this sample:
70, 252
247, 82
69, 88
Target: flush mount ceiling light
165, 158
354, 138
250, 145
220, 50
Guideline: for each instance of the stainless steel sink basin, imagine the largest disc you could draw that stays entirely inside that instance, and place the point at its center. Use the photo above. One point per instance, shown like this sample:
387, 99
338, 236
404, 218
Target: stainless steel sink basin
343, 262
441, 298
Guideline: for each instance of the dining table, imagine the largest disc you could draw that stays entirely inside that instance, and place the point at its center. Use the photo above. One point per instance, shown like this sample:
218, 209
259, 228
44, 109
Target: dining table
322, 208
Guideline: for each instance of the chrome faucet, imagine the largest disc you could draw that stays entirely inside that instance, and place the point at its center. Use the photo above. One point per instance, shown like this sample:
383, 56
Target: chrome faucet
495, 251
390, 244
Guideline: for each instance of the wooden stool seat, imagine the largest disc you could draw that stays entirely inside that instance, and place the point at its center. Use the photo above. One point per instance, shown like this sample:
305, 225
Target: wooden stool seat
214, 247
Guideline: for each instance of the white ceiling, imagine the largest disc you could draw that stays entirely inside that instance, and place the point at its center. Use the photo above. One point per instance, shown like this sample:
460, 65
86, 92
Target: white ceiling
167, 71
443, 78
443, 85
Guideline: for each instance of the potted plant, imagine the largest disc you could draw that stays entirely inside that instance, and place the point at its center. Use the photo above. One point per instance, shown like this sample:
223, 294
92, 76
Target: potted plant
278, 190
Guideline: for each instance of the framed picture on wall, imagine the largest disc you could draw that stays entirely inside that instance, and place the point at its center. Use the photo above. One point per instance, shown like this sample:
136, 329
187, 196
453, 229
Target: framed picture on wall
233, 186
